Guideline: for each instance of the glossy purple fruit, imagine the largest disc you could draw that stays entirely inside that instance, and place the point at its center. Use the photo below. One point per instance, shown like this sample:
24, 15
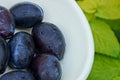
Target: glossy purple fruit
49, 39
46, 67
4, 55
22, 49
7, 26
17, 75
26, 14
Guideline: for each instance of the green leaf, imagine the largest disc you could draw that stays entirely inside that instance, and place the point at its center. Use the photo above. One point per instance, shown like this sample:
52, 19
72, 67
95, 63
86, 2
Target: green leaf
105, 40
115, 26
90, 16
108, 9
116, 78
78, 0
88, 6
105, 68
117, 33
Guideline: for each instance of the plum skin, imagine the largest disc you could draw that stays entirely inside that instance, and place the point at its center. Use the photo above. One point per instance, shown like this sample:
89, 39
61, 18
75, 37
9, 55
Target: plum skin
46, 67
17, 75
4, 55
27, 14
7, 25
22, 48
49, 39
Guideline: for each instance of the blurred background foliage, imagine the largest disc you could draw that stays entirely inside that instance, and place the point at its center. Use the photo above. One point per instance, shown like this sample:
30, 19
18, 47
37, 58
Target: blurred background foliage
104, 19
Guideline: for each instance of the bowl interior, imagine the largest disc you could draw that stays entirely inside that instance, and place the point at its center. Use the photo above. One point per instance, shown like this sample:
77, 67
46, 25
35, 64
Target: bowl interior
71, 21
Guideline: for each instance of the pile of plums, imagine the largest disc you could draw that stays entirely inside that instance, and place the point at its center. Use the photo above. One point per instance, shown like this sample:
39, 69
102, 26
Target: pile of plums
32, 56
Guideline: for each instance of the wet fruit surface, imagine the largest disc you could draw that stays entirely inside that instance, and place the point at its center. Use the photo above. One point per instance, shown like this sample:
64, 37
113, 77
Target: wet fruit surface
7, 25
17, 75
46, 67
4, 55
49, 39
26, 14
22, 48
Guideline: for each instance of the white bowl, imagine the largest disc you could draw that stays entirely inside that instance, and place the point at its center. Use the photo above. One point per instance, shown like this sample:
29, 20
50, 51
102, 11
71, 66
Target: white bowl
70, 19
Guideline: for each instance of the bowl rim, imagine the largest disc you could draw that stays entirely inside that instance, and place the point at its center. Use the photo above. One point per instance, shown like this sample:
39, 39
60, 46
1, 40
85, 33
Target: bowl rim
90, 59
90, 56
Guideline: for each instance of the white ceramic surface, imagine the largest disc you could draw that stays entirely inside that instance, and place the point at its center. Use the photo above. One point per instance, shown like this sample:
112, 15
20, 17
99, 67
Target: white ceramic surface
70, 19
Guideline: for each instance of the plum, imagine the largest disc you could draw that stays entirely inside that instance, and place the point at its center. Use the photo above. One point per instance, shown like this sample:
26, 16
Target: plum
7, 25
22, 49
17, 75
49, 39
46, 67
27, 14
4, 55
